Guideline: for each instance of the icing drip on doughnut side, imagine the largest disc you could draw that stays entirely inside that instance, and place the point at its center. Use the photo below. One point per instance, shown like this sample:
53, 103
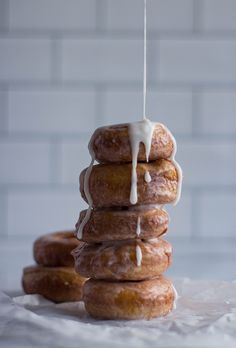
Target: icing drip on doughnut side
177, 166
138, 228
138, 255
89, 199
139, 132
87, 192
147, 176
176, 296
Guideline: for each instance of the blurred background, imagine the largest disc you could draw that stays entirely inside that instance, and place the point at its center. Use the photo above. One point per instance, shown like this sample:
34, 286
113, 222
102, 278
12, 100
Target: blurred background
69, 66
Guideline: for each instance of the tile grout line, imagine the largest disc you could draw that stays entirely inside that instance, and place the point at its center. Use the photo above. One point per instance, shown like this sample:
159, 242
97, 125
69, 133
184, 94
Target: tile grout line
56, 59
197, 16
101, 16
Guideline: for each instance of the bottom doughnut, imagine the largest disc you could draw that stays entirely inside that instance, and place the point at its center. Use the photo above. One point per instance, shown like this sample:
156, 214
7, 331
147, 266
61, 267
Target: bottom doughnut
58, 284
129, 300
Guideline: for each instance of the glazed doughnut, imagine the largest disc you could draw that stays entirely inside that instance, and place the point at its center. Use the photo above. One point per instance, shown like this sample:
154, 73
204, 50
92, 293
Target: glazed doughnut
111, 144
129, 300
111, 224
118, 260
109, 184
54, 249
58, 284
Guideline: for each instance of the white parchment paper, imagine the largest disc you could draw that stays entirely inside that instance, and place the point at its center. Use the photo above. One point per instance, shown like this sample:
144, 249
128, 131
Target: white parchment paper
205, 317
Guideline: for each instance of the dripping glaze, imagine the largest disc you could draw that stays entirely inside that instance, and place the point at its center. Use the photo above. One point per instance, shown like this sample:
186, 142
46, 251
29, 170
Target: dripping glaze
138, 227
142, 132
176, 296
87, 192
138, 255
147, 176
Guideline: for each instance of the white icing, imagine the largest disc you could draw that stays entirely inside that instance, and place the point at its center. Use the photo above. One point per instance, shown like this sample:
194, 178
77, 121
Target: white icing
138, 255
139, 132
177, 166
145, 60
176, 296
147, 176
138, 228
87, 193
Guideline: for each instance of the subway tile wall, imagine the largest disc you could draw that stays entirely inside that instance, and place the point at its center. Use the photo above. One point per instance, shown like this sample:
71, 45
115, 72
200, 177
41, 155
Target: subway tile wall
67, 67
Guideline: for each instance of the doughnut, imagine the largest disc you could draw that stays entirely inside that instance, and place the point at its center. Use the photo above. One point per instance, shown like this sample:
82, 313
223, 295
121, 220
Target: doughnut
128, 300
118, 260
117, 224
109, 184
111, 144
58, 284
54, 249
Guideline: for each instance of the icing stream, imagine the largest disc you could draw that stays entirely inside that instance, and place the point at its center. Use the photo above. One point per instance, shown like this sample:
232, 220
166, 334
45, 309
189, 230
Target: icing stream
87, 192
177, 166
89, 199
175, 295
138, 255
147, 176
139, 132
138, 228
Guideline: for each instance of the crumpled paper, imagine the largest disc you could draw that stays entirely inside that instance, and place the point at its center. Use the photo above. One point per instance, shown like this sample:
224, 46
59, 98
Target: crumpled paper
205, 317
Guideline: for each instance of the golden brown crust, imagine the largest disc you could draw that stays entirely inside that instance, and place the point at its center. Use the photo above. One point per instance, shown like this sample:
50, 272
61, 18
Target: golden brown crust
54, 249
118, 260
128, 300
109, 184
111, 144
112, 224
58, 284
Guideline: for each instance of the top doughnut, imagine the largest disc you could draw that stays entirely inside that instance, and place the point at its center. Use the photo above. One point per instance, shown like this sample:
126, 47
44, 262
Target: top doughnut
111, 144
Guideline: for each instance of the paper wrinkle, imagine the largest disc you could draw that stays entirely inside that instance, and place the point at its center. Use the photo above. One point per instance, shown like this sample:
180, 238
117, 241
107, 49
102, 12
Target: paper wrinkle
205, 315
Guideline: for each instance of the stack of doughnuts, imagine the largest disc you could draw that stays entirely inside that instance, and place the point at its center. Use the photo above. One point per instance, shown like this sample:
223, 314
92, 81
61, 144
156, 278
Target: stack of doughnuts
54, 276
124, 254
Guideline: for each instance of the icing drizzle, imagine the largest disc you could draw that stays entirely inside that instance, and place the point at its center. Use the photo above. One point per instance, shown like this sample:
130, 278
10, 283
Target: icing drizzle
176, 296
89, 199
87, 192
138, 227
138, 255
147, 176
177, 166
139, 132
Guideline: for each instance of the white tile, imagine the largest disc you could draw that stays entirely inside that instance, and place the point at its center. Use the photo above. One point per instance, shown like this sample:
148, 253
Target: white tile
180, 217
24, 59
172, 108
198, 60
217, 214
218, 112
218, 14
22, 162
41, 211
74, 158
102, 59
207, 162
161, 14
52, 14
51, 111
3, 106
